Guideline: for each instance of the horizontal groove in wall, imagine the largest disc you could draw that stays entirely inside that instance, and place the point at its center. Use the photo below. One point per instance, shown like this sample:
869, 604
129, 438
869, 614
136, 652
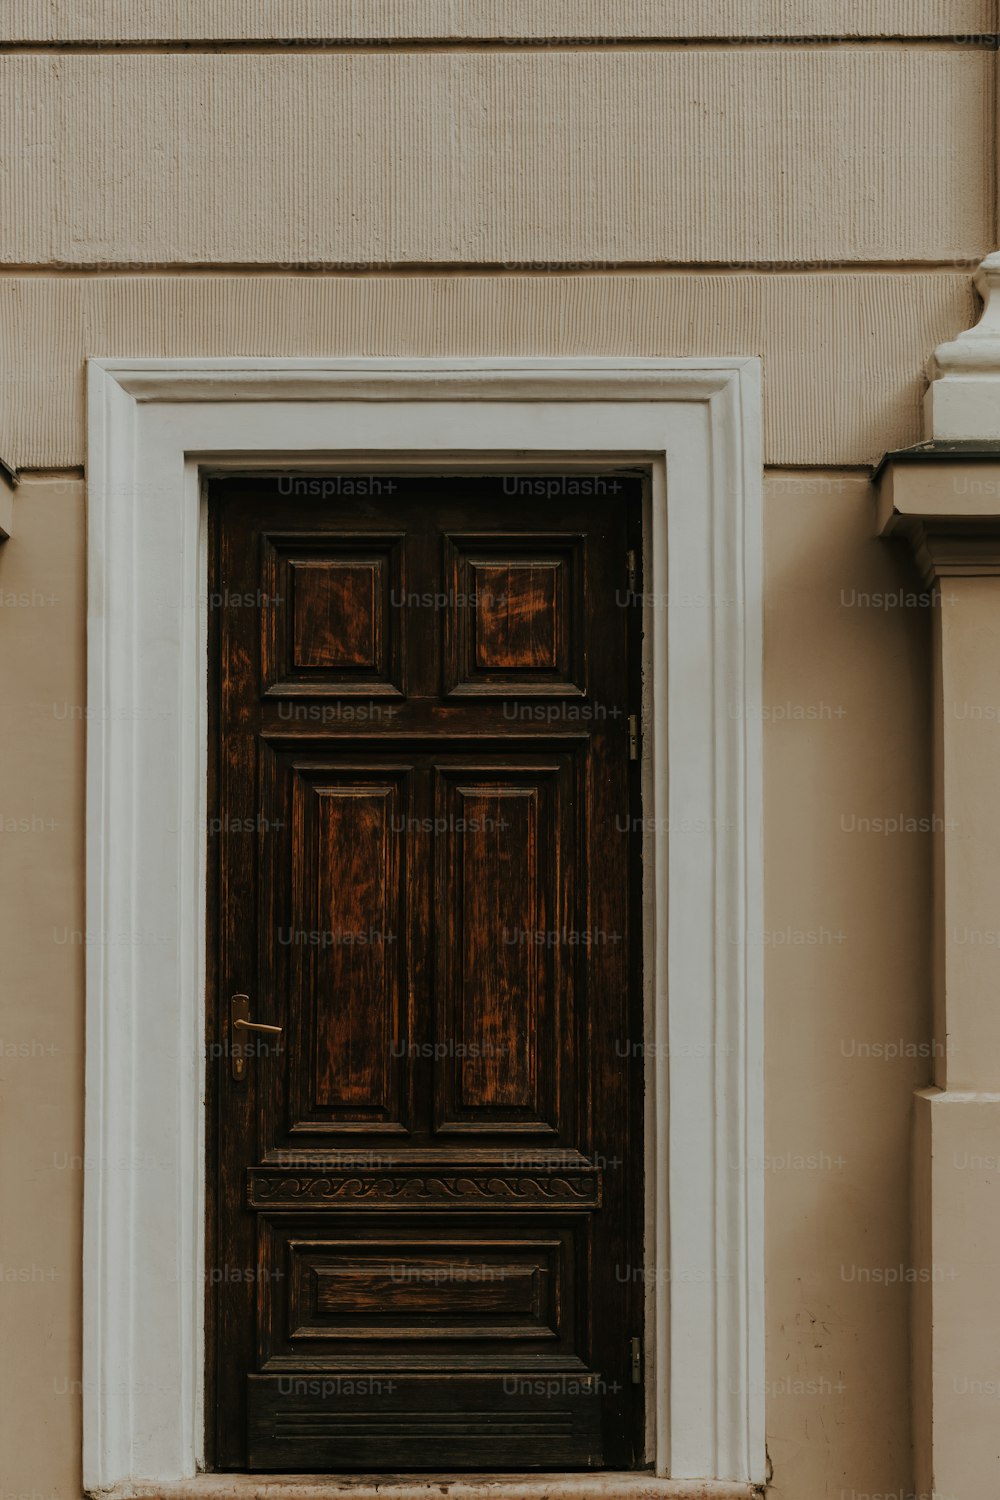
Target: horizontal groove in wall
843, 356
986, 41
534, 268
789, 471
516, 159
193, 20
44, 475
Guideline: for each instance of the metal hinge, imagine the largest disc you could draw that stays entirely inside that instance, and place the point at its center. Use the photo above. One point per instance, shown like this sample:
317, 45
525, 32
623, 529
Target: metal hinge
635, 1355
633, 570
633, 736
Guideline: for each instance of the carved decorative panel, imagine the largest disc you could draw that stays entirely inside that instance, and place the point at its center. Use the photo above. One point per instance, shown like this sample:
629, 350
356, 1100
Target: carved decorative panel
400, 1189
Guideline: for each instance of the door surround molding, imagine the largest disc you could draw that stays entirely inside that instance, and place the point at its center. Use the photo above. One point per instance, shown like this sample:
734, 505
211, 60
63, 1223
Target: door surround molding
154, 427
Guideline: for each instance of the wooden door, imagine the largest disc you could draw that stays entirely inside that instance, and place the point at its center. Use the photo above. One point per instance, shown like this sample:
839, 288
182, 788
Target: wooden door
425, 1203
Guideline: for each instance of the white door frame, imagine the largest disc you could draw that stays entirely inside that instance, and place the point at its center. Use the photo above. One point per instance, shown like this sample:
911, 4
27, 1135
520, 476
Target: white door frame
154, 426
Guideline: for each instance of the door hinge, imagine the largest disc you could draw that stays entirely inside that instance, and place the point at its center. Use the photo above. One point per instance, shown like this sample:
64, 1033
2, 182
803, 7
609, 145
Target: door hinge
635, 1357
633, 736
632, 563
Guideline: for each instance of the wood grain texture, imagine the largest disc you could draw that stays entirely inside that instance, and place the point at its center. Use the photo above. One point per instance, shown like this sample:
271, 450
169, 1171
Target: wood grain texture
843, 355
346, 942
518, 624
336, 614
555, 158
515, 1016
517, 619
331, 628
353, 1020
382, 20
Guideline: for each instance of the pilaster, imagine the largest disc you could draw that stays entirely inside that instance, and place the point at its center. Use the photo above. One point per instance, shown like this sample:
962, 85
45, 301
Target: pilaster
943, 498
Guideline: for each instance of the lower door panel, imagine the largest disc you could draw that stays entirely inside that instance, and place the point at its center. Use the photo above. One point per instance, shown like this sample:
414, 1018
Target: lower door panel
522, 1420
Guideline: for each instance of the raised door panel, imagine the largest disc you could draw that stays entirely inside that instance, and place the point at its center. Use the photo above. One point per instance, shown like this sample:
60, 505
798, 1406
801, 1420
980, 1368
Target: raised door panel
331, 622
344, 1292
433, 1422
348, 941
516, 619
503, 987
491, 1318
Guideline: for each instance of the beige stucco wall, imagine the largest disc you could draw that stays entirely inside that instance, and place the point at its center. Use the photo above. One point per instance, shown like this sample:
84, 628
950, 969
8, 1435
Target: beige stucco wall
491, 157
843, 351
848, 1029
42, 738
818, 205
381, 20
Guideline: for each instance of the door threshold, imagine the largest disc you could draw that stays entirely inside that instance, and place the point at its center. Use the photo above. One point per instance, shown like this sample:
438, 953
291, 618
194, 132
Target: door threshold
603, 1486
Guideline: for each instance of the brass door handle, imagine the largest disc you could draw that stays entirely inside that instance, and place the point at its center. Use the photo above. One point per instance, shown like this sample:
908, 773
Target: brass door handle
239, 1018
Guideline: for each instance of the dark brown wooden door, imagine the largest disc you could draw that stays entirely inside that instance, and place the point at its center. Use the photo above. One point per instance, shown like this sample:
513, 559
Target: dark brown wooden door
425, 1228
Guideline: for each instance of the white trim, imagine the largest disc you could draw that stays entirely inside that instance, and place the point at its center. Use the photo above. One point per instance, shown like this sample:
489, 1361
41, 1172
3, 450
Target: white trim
153, 426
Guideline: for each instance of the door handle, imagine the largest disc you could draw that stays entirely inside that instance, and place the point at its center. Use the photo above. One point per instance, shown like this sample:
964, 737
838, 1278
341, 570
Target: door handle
239, 1020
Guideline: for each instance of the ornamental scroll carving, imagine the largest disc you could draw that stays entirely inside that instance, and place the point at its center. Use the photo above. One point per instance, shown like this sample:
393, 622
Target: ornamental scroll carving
491, 1190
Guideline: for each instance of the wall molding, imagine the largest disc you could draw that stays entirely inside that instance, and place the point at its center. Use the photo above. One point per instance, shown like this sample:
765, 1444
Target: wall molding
155, 427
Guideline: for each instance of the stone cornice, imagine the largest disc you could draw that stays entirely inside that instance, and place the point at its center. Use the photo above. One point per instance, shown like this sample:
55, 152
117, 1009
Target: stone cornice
944, 499
950, 549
